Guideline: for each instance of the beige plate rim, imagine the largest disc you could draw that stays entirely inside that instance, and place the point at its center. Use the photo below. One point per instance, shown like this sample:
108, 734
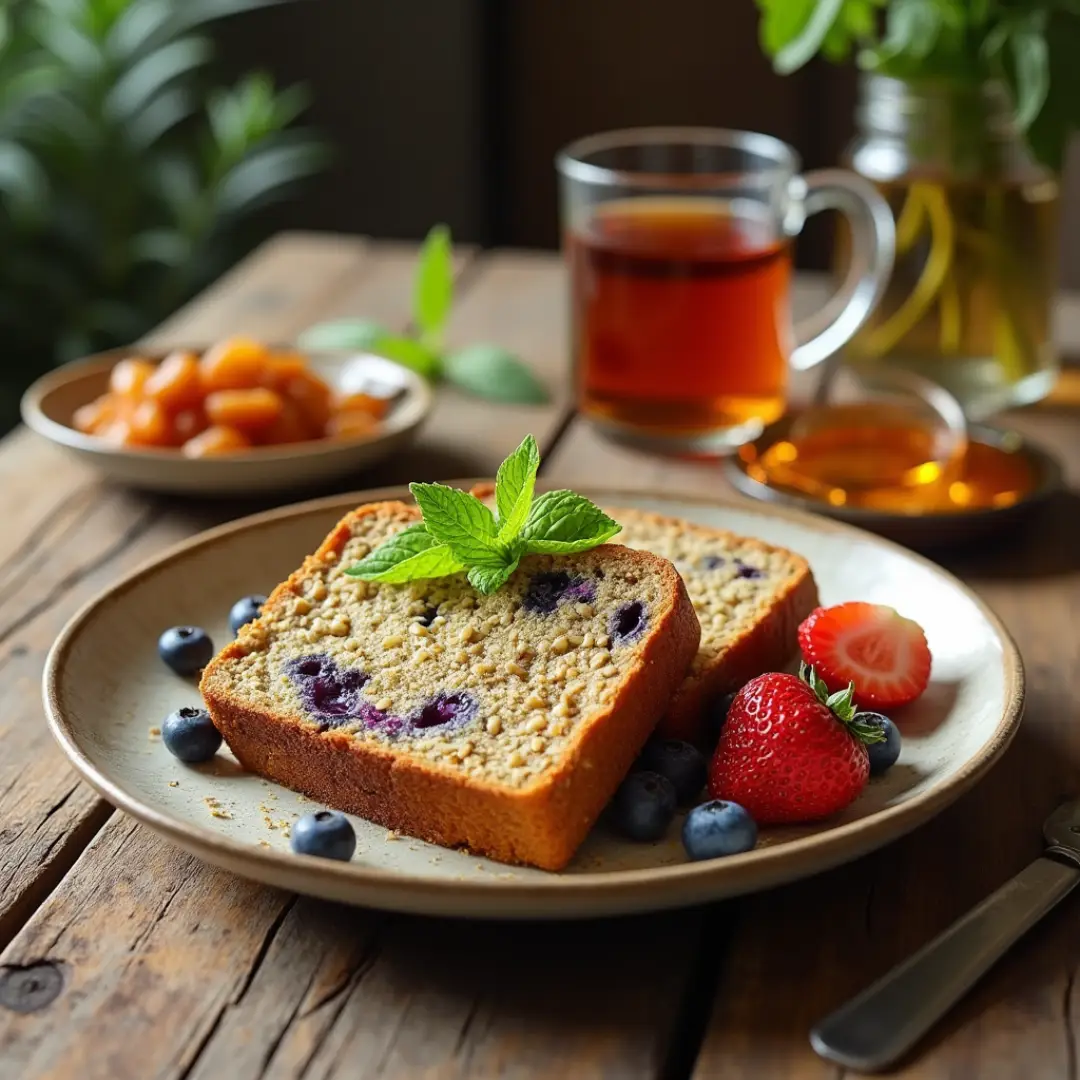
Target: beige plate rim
627, 890
416, 405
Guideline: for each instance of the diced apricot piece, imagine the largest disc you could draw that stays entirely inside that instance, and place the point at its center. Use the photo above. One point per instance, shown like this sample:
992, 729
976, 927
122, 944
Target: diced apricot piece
150, 425
313, 397
351, 424
176, 383
373, 406
216, 440
245, 410
117, 432
188, 424
233, 364
290, 427
92, 417
281, 367
128, 378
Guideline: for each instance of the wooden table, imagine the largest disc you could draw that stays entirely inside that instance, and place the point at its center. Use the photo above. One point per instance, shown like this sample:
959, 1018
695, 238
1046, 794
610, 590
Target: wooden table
124, 959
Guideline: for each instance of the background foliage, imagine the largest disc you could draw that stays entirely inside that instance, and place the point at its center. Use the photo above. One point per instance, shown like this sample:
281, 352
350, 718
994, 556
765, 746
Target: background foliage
126, 182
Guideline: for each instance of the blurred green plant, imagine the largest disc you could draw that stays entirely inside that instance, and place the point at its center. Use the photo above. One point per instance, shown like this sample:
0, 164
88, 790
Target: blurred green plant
125, 183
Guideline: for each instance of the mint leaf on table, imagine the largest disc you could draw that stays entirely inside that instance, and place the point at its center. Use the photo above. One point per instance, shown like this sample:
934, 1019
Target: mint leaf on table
491, 372
563, 522
343, 334
409, 353
460, 533
461, 522
514, 486
433, 290
407, 556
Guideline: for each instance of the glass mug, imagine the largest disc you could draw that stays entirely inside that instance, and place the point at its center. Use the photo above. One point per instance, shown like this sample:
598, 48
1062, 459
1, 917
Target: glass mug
678, 244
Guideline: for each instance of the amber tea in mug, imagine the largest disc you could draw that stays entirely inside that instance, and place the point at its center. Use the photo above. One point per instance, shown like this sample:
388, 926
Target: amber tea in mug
678, 244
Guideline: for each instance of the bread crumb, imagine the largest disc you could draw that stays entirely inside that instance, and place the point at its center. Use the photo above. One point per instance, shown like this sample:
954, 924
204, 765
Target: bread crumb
391, 836
216, 809
155, 733
174, 783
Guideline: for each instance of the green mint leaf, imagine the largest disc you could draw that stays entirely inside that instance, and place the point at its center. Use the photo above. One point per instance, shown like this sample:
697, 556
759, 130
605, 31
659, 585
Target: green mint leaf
461, 522
486, 580
1030, 67
433, 290
488, 371
514, 486
562, 522
407, 556
409, 353
359, 334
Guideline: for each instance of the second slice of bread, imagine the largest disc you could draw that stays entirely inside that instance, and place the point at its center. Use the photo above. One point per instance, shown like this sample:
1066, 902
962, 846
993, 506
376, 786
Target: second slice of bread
500, 723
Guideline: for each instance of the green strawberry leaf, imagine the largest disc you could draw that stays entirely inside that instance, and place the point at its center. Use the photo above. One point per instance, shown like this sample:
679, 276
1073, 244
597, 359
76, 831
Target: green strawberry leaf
433, 290
461, 522
563, 522
408, 555
514, 486
491, 372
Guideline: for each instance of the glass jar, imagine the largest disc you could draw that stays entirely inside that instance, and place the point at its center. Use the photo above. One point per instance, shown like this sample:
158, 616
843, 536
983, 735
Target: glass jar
970, 298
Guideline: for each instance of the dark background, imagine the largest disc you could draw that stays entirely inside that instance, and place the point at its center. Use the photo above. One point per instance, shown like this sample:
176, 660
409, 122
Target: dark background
452, 110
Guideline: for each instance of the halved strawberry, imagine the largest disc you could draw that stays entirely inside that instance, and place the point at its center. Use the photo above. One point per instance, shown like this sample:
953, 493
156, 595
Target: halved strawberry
870, 645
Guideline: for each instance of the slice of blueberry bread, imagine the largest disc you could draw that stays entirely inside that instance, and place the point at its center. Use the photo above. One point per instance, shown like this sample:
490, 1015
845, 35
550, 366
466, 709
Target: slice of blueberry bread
749, 597
499, 723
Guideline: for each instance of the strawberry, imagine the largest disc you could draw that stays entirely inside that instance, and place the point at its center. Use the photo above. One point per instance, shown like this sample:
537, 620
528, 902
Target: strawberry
789, 751
872, 646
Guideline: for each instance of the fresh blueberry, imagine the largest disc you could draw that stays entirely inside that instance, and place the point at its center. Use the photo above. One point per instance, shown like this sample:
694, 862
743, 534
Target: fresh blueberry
326, 833
628, 622
883, 755
244, 611
744, 570
190, 735
716, 716
718, 828
683, 764
644, 806
186, 649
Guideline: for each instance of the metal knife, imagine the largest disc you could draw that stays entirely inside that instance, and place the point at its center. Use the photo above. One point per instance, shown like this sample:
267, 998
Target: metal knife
876, 1028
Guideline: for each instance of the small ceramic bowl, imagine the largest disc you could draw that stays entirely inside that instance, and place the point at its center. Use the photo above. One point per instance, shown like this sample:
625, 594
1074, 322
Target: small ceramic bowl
924, 531
48, 407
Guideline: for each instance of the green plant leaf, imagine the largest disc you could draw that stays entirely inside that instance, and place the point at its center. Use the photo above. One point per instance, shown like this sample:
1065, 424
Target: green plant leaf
409, 353
136, 89
461, 522
800, 49
170, 108
1031, 69
433, 290
514, 486
488, 371
409, 555
268, 174
486, 580
563, 522
360, 334
23, 181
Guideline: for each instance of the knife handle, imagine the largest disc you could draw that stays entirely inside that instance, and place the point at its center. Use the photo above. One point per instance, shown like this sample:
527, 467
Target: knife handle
876, 1028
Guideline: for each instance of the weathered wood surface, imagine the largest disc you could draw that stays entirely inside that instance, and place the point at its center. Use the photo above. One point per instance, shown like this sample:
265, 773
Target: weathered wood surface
124, 958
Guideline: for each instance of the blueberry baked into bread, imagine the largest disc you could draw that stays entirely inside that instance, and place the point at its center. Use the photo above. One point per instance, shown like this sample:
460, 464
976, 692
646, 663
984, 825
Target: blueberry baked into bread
501, 723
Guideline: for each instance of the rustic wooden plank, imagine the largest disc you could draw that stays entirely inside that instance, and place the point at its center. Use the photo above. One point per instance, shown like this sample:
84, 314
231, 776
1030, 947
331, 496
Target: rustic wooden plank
171, 969
279, 289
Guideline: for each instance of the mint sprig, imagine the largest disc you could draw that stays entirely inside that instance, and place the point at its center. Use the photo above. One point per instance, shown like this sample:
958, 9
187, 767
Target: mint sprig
482, 370
459, 532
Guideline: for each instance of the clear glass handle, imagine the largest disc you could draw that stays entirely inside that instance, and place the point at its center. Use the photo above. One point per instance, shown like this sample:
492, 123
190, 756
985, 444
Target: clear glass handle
873, 243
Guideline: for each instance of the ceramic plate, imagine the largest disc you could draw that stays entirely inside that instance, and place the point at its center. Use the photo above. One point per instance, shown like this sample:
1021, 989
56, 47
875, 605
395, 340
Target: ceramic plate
48, 406
106, 691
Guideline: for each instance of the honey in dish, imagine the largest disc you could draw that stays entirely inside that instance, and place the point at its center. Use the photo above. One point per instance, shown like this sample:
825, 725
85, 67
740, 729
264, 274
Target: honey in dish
879, 457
